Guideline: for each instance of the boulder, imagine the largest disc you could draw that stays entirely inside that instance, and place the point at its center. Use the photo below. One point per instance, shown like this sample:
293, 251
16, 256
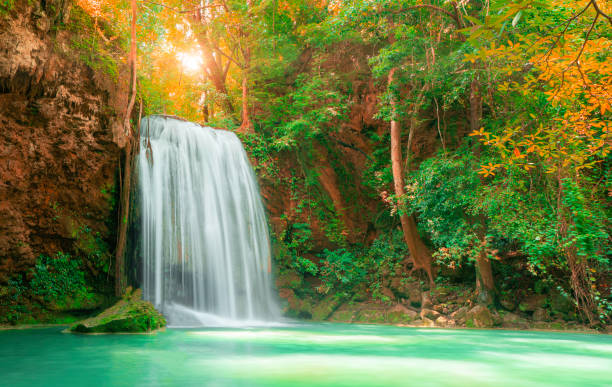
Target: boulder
460, 314
479, 317
129, 315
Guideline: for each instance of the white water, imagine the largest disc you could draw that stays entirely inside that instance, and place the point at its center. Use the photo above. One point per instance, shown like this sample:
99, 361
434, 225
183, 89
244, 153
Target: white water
205, 243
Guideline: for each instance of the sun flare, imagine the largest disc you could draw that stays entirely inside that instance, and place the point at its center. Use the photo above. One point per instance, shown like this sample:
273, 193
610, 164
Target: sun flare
191, 61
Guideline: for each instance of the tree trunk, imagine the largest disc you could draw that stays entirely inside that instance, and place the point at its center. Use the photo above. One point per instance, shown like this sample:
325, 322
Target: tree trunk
419, 253
132, 64
247, 125
484, 273
120, 281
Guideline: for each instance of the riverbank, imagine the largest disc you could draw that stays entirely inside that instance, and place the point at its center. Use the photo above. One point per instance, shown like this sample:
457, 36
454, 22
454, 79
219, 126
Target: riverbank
445, 306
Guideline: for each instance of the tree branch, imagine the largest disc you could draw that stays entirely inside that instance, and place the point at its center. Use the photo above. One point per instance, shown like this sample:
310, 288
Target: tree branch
600, 12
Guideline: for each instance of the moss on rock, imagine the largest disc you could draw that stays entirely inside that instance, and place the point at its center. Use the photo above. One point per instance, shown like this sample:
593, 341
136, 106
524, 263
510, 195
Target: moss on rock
325, 308
129, 315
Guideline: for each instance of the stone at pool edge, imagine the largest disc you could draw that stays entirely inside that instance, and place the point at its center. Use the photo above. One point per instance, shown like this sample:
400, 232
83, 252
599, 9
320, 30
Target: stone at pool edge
129, 315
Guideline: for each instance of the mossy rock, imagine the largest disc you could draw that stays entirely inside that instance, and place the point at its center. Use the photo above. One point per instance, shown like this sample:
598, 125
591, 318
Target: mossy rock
325, 308
129, 315
345, 315
398, 317
479, 317
371, 316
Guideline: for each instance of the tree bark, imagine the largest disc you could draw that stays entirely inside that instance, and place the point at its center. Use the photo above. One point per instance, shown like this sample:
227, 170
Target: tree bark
484, 274
419, 253
247, 125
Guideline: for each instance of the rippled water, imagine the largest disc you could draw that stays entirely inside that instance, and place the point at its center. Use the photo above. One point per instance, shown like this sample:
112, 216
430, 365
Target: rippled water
307, 355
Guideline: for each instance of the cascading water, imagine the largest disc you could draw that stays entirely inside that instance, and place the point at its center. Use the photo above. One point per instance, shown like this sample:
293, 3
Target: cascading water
205, 243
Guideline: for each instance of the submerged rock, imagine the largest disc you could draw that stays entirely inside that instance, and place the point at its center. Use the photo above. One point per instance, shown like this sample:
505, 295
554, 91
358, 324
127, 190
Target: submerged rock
129, 315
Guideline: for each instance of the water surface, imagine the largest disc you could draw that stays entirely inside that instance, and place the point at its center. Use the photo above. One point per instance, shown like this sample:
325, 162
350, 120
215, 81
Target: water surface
306, 355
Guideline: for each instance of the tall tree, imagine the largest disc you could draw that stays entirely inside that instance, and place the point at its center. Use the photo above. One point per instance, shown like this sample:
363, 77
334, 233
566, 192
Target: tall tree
120, 280
419, 253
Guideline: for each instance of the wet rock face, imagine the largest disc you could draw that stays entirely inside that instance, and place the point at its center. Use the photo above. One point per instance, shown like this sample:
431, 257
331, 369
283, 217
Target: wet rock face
59, 140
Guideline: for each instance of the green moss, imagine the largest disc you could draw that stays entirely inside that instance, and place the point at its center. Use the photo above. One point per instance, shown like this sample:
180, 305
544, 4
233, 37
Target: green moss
398, 318
92, 51
129, 315
342, 316
371, 316
325, 308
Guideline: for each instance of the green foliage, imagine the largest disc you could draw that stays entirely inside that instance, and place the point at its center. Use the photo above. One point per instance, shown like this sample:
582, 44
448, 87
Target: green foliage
93, 51
260, 151
6, 6
589, 225
314, 105
341, 269
12, 300
57, 278
92, 247
363, 270
292, 243
445, 192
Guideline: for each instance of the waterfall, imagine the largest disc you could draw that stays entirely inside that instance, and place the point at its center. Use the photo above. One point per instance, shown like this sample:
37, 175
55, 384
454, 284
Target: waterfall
205, 243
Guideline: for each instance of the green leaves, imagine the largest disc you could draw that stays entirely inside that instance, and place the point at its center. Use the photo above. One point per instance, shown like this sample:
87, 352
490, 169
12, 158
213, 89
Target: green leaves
57, 278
